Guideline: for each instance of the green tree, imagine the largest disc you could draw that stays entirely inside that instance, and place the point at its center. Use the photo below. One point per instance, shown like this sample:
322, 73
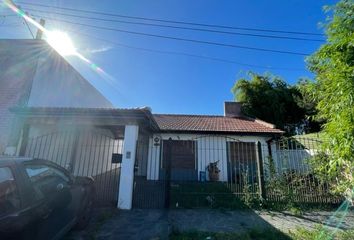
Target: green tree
333, 64
269, 98
308, 101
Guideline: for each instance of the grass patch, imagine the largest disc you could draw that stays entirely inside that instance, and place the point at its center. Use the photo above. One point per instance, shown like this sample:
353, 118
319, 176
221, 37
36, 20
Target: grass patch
217, 195
204, 195
321, 233
266, 234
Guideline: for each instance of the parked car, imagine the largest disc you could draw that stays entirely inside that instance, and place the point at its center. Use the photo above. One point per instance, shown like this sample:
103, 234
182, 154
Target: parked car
41, 200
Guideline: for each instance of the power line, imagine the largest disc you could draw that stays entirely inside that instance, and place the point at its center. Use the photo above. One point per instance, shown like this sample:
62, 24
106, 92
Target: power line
177, 27
28, 27
178, 38
182, 53
173, 21
10, 25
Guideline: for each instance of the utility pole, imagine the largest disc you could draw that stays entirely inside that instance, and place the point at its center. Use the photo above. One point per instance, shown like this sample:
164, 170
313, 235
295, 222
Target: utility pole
39, 31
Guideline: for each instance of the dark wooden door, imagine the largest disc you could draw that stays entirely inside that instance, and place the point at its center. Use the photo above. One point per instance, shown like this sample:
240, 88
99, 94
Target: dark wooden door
183, 160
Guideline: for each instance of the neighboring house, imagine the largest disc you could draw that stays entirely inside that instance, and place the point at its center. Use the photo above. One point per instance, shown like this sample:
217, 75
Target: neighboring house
293, 153
33, 74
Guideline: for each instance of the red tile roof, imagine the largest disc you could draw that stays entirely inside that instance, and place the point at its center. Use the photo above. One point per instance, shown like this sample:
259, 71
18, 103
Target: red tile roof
207, 123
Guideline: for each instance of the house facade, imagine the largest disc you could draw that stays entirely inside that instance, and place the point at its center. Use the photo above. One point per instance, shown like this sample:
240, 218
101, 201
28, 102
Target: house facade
49, 111
201, 140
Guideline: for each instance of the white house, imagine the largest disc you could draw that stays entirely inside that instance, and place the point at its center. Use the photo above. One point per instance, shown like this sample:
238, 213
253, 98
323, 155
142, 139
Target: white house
198, 140
48, 110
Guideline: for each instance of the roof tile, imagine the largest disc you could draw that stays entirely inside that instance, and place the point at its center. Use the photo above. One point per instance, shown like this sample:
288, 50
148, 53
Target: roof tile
207, 123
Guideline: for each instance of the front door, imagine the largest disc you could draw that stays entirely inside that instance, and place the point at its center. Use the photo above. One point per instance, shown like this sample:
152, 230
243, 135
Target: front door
183, 160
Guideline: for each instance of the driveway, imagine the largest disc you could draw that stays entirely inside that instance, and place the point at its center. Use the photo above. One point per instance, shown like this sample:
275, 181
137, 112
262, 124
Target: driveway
157, 224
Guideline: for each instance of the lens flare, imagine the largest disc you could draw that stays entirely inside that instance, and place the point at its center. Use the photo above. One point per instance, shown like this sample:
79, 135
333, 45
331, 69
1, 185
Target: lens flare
59, 40
336, 220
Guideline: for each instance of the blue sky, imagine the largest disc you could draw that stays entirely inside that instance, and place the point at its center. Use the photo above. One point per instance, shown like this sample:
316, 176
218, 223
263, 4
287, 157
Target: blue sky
173, 83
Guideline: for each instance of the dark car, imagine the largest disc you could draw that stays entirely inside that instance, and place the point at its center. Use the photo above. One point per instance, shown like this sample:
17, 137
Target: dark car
41, 200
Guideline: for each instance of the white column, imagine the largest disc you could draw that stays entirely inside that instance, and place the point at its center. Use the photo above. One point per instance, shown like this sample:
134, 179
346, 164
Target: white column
126, 182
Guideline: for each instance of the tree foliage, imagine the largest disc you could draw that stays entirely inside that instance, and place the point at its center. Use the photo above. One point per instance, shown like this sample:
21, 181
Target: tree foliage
333, 64
308, 101
269, 98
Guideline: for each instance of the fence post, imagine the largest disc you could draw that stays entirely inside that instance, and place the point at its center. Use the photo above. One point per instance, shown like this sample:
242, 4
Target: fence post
74, 151
24, 140
261, 182
168, 172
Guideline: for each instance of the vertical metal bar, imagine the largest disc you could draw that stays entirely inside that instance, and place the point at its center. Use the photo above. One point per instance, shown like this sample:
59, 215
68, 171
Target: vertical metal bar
49, 148
229, 167
242, 162
105, 162
89, 153
262, 189
45, 146
82, 146
61, 148
67, 145
152, 160
54, 143
35, 146
168, 172
29, 149
74, 149
237, 165
112, 185
40, 147
248, 166
24, 142
251, 167
98, 174
93, 143
99, 154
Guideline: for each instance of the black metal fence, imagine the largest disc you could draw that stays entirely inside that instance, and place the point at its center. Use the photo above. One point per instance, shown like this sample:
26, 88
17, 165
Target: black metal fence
222, 171
83, 153
188, 171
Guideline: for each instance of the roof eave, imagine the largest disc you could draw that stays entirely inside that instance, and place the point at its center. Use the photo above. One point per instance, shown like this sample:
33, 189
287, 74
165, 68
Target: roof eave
244, 133
38, 112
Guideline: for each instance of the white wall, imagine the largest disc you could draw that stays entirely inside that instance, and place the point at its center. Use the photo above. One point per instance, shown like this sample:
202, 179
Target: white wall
285, 160
126, 183
210, 148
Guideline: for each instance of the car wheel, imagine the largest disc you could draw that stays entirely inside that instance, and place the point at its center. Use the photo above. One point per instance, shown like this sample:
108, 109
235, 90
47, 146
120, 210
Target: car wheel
84, 219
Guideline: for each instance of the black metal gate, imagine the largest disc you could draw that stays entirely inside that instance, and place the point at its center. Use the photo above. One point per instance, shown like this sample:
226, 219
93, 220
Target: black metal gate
83, 153
149, 194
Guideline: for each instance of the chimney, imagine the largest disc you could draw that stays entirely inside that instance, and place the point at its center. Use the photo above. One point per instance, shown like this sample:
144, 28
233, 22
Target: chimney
233, 109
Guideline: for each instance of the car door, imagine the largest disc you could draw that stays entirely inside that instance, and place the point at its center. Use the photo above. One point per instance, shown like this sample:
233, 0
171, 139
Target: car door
10, 204
55, 187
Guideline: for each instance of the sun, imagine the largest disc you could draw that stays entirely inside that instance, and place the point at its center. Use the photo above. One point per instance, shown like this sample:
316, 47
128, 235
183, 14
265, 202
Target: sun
61, 42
